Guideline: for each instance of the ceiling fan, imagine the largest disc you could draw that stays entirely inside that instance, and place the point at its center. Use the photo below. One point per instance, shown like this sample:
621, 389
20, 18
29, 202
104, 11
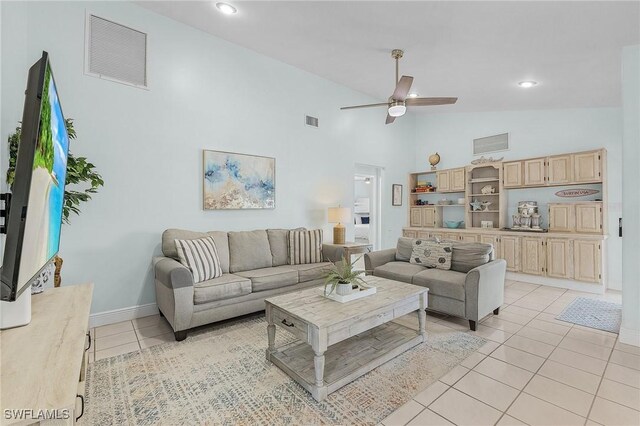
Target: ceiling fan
398, 102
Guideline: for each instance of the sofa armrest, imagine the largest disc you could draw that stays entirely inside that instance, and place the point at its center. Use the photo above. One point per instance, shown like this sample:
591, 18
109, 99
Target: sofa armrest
378, 258
484, 289
172, 273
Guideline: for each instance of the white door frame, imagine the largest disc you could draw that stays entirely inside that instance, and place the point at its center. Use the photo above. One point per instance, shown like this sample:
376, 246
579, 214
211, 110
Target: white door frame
376, 203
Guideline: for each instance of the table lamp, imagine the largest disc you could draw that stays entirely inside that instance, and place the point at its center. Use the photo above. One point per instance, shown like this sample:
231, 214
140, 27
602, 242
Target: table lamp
339, 215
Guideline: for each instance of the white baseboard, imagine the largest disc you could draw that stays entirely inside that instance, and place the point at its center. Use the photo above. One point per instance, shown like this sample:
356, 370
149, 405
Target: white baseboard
556, 282
629, 336
123, 314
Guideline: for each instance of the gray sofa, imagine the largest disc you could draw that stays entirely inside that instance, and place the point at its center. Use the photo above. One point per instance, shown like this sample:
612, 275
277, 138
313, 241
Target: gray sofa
471, 289
254, 265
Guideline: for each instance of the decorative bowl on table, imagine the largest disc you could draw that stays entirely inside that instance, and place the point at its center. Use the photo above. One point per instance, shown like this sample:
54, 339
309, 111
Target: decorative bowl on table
453, 223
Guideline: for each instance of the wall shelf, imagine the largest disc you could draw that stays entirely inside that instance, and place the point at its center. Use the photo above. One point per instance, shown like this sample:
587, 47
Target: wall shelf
481, 180
484, 195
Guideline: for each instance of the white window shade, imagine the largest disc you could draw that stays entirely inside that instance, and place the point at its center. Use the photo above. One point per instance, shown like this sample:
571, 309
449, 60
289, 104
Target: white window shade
116, 52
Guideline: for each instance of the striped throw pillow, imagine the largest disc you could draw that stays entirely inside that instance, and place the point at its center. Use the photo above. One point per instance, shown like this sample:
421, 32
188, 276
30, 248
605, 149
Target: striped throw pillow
201, 257
305, 247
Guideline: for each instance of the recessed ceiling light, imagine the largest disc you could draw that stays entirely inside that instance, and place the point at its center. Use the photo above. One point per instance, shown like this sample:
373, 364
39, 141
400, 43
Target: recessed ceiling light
226, 8
413, 95
527, 84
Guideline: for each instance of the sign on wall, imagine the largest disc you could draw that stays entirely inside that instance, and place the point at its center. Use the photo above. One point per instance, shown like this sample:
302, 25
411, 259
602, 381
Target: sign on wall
570, 193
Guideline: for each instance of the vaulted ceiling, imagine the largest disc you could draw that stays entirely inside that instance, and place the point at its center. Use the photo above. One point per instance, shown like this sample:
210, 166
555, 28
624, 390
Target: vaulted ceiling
477, 51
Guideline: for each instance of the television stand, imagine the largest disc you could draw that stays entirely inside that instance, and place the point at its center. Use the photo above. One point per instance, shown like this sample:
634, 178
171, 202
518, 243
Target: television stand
43, 364
16, 313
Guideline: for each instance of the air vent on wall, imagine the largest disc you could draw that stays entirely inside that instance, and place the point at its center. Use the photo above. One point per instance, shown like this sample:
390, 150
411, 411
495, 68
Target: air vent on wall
311, 121
116, 52
491, 144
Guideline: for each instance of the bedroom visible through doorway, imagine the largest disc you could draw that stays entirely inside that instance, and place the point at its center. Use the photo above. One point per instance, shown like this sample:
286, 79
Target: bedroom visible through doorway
366, 208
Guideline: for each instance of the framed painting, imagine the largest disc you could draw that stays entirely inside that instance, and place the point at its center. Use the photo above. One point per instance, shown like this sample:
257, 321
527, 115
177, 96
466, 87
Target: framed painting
396, 195
233, 181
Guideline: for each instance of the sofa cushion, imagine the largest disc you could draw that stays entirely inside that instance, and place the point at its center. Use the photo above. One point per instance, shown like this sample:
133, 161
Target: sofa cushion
404, 249
467, 256
312, 271
272, 277
442, 282
224, 287
170, 236
399, 271
249, 250
432, 254
305, 246
201, 257
279, 243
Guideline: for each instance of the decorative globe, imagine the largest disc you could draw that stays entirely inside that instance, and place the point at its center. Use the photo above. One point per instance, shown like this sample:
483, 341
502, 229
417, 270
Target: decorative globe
433, 160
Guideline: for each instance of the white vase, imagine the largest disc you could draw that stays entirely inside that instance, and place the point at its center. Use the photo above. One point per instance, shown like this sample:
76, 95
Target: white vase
343, 289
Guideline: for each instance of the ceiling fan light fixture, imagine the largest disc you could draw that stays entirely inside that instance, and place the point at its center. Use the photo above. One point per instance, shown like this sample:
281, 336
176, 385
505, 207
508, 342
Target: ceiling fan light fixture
413, 95
397, 108
226, 8
527, 84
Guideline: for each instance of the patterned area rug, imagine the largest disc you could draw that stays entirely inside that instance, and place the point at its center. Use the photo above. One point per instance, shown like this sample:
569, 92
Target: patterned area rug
220, 376
594, 314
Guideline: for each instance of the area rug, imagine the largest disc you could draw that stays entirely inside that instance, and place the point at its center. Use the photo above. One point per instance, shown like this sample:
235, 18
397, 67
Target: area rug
593, 313
220, 377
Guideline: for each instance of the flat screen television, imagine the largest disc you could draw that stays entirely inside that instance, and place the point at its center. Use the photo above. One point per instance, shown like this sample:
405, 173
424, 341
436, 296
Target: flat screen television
35, 215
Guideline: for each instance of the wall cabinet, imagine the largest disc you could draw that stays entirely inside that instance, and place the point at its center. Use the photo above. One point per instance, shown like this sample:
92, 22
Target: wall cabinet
423, 217
415, 216
534, 172
559, 258
512, 174
510, 251
443, 181
589, 218
560, 169
533, 256
587, 167
561, 217
586, 260
457, 179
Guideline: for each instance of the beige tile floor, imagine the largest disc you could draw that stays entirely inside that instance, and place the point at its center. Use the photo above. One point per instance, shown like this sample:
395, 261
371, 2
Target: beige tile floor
533, 369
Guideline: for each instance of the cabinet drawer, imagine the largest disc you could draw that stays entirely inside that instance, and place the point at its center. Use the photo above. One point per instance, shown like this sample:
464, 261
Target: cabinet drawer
369, 323
292, 325
409, 234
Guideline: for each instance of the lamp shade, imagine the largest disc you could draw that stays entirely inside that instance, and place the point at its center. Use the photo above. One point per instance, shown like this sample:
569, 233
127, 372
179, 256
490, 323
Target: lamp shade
339, 214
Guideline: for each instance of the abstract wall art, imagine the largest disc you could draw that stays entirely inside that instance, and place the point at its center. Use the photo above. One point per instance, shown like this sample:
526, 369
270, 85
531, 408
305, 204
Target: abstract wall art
238, 181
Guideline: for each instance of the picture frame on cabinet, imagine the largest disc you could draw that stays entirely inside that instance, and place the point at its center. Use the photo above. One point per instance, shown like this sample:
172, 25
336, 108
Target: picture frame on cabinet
396, 194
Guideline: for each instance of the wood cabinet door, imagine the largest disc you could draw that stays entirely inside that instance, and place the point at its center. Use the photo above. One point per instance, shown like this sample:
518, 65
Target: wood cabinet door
510, 251
443, 181
587, 167
457, 179
534, 172
586, 260
469, 238
409, 234
512, 173
415, 216
559, 258
533, 258
560, 169
429, 217
561, 217
494, 241
424, 235
589, 218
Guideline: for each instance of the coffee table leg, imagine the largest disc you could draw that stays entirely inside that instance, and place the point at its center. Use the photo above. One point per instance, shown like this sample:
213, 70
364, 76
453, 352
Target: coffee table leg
422, 316
318, 364
271, 332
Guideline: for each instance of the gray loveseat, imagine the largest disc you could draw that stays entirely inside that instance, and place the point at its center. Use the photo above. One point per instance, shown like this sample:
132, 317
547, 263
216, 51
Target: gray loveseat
471, 289
255, 266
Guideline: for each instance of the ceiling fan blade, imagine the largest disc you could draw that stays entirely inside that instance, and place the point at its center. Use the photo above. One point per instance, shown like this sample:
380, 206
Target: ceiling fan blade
402, 88
389, 119
366, 106
430, 101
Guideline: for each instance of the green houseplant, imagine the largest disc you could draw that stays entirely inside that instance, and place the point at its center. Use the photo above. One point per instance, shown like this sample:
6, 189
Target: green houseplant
341, 278
81, 183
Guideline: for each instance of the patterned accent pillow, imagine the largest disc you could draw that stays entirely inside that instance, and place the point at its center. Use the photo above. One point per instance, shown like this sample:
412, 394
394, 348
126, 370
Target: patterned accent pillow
200, 256
431, 254
305, 246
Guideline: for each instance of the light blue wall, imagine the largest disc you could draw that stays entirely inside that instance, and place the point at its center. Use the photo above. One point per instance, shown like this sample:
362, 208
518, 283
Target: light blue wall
204, 93
534, 134
630, 332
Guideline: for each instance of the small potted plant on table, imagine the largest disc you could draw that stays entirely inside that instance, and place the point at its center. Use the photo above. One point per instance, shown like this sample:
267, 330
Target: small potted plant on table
342, 278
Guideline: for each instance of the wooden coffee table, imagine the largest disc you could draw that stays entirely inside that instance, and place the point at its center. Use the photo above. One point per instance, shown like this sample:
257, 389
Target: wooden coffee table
339, 342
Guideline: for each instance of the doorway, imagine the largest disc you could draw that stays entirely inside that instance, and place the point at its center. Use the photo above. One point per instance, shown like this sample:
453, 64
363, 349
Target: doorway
367, 207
